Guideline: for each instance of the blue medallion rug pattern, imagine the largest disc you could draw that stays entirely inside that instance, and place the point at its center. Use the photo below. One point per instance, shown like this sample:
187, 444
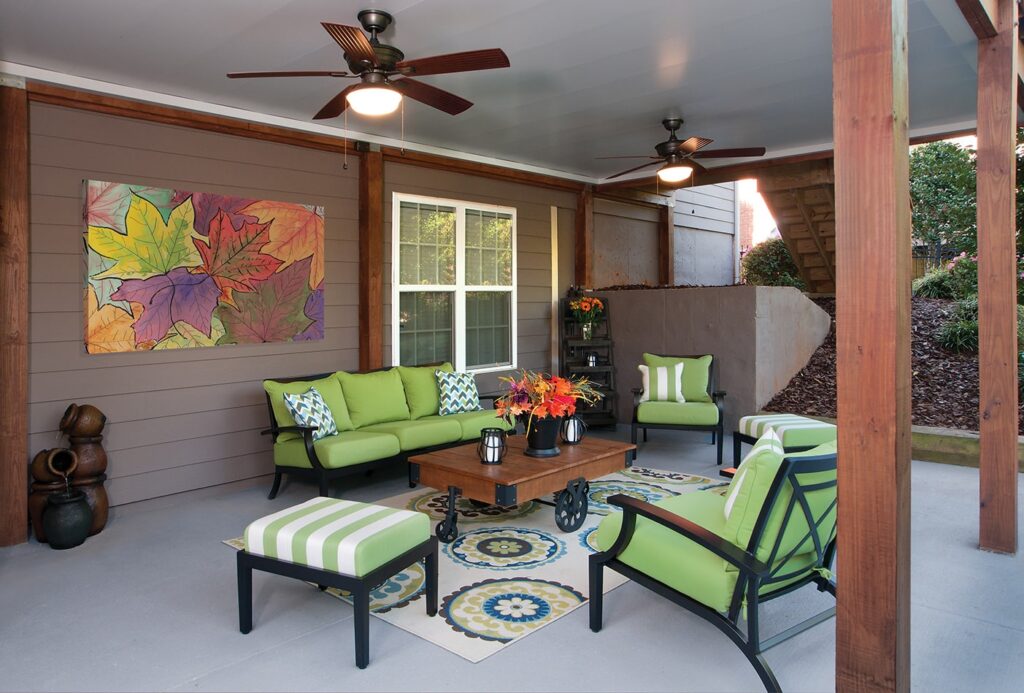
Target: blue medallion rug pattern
511, 571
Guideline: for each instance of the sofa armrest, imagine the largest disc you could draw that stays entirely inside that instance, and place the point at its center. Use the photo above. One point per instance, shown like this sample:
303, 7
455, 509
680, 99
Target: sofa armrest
490, 396
289, 429
307, 440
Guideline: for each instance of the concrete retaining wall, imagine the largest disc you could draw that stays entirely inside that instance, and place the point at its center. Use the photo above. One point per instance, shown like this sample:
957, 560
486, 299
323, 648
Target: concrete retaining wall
761, 337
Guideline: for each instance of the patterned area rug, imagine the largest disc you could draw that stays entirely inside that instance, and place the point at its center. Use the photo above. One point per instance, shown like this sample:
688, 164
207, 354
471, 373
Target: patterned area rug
511, 571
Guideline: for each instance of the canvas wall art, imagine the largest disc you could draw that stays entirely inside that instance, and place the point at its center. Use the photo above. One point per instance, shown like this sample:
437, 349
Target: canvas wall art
172, 269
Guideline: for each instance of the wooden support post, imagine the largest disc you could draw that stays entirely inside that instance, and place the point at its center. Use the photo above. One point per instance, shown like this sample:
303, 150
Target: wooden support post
371, 260
585, 237
997, 281
869, 77
13, 316
666, 246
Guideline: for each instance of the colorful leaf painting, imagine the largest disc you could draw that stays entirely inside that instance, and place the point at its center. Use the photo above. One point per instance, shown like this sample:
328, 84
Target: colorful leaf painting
172, 269
296, 232
151, 245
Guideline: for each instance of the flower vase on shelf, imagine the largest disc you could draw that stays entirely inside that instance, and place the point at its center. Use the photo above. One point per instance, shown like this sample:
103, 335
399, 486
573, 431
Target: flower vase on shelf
587, 330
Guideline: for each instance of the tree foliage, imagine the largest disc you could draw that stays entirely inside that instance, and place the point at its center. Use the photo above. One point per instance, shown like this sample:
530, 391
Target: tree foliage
942, 191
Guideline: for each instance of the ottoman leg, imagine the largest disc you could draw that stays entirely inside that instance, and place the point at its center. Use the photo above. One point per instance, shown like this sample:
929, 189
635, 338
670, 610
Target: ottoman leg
430, 567
736, 443
244, 594
361, 604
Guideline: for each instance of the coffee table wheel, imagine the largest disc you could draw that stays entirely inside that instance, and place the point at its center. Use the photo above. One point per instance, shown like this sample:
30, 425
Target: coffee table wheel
446, 532
571, 505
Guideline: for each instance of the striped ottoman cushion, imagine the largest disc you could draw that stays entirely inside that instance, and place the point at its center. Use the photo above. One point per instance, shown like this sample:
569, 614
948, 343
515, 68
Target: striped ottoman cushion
793, 430
344, 536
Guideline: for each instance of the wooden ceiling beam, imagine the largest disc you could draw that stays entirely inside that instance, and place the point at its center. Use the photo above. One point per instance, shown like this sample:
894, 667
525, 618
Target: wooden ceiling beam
980, 15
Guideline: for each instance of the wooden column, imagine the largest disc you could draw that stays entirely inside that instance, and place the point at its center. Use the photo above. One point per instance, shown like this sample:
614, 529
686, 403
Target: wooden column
666, 245
869, 70
13, 316
371, 260
585, 237
997, 280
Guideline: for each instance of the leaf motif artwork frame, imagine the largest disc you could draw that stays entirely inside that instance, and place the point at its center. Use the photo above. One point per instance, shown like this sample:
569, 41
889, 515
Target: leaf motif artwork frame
174, 269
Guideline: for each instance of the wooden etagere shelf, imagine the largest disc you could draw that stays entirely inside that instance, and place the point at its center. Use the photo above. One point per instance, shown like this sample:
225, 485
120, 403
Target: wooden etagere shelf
574, 350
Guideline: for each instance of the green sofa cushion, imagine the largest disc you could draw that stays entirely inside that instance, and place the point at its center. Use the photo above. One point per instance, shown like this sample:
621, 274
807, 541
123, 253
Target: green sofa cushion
339, 535
422, 433
342, 450
678, 413
472, 422
374, 398
794, 430
695, 374
329, 388
421, 392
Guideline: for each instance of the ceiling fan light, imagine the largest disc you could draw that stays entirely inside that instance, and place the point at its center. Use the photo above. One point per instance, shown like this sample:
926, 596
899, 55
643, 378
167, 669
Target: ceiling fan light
675, 173
374, 100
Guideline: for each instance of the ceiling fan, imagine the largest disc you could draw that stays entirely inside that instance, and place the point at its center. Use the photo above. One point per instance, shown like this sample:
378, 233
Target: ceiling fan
678, 156
375, 65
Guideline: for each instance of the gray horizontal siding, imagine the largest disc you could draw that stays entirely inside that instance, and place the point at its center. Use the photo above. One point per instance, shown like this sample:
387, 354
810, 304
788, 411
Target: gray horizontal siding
183, 419
705, 220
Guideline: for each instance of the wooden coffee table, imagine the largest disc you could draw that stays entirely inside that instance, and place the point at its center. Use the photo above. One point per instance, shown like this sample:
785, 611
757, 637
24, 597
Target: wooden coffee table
520, 478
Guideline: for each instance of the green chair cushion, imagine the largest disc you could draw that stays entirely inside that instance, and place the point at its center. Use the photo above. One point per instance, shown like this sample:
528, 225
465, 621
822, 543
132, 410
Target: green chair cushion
749, 488
472, 422
421, 433
338, 535
421, 392
329, 388
695, 374
374, 398
678, 413
342, 450
794, 430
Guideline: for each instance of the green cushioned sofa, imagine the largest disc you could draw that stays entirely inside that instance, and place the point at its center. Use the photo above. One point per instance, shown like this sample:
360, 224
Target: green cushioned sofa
382, 416
702, 410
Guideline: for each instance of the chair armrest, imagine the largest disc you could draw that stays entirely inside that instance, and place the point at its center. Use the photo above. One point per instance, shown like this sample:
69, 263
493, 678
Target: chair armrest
718, 395
709, 540
289, 429
637, 392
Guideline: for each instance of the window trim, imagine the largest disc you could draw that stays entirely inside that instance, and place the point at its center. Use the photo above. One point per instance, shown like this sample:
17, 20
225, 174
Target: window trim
460, 288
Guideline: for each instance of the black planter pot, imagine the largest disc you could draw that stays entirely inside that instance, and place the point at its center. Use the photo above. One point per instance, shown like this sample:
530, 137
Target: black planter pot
66, 519
542, 437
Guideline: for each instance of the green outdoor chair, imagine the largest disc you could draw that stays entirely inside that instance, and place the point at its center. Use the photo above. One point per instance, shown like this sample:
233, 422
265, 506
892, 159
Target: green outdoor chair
702, 410
719, 557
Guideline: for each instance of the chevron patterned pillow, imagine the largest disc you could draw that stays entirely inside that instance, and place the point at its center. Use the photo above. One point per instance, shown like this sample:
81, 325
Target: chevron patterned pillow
310, 409
458, 393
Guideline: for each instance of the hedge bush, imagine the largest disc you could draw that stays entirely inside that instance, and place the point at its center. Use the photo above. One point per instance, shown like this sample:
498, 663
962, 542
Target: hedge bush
770, 264
938, 283
960, 332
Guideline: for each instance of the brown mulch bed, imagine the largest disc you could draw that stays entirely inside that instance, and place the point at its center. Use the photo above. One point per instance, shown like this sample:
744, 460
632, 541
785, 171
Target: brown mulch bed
945, 384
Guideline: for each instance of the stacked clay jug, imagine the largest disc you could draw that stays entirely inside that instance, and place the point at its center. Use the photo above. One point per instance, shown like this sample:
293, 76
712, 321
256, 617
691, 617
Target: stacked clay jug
83, 425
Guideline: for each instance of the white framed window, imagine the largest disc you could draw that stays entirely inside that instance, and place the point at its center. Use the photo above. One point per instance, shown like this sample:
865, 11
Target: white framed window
453, 288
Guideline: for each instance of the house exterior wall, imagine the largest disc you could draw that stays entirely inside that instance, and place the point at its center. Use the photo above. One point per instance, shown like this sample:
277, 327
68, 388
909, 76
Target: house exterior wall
625, 244
705, 243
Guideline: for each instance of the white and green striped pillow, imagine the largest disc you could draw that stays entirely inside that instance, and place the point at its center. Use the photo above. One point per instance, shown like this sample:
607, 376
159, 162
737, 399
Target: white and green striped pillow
662, 383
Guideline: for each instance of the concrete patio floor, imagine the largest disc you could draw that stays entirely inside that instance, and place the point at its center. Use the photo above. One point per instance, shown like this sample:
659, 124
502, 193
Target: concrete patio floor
150, 604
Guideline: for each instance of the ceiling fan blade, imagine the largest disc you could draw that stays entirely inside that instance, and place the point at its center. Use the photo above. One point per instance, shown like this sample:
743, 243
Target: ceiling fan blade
336, 106
627, 157
353, 41
290, 73
487, 59
694, 143
636, 168
726, 153
432, 96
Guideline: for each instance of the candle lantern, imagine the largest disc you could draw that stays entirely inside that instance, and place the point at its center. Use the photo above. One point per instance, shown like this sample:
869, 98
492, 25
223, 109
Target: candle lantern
573, 428
492, 446
591, 358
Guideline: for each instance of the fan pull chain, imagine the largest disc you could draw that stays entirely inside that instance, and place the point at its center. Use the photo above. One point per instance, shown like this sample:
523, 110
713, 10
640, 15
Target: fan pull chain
344, 165
403, 126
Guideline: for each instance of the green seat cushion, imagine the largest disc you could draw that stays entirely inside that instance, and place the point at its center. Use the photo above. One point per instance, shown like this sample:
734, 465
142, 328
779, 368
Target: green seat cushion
374, 398
795, 431
472, 422
421, 392
421, 433
678, 413
342, 450
695, 374
338, 535
329, 388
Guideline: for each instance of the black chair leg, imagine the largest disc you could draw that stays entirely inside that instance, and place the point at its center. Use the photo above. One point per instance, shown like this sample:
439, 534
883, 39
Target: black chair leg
275, 487
430, 568
736, 449
712, 437
361, 604
596, 595
244, 594
719, 441
324, 489
632, 438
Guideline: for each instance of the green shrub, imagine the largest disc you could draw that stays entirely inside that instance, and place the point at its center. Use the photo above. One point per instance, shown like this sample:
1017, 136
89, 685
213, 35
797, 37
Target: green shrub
960, 332
770, 264
938, 283
963, 272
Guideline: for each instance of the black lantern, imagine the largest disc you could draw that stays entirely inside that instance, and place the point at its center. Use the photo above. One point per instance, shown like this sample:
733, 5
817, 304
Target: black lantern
591, 358
573, 428
492, 446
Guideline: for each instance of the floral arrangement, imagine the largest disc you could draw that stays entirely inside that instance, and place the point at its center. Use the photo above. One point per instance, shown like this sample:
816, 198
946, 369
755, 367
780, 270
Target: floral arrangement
586, 309
536, 395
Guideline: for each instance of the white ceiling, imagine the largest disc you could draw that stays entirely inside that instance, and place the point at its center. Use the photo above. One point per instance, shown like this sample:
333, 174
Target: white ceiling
588, 78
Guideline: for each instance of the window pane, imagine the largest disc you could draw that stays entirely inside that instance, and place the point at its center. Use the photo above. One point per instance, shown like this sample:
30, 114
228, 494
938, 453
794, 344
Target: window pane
427, 236
425, 327
488, 248
488, 326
